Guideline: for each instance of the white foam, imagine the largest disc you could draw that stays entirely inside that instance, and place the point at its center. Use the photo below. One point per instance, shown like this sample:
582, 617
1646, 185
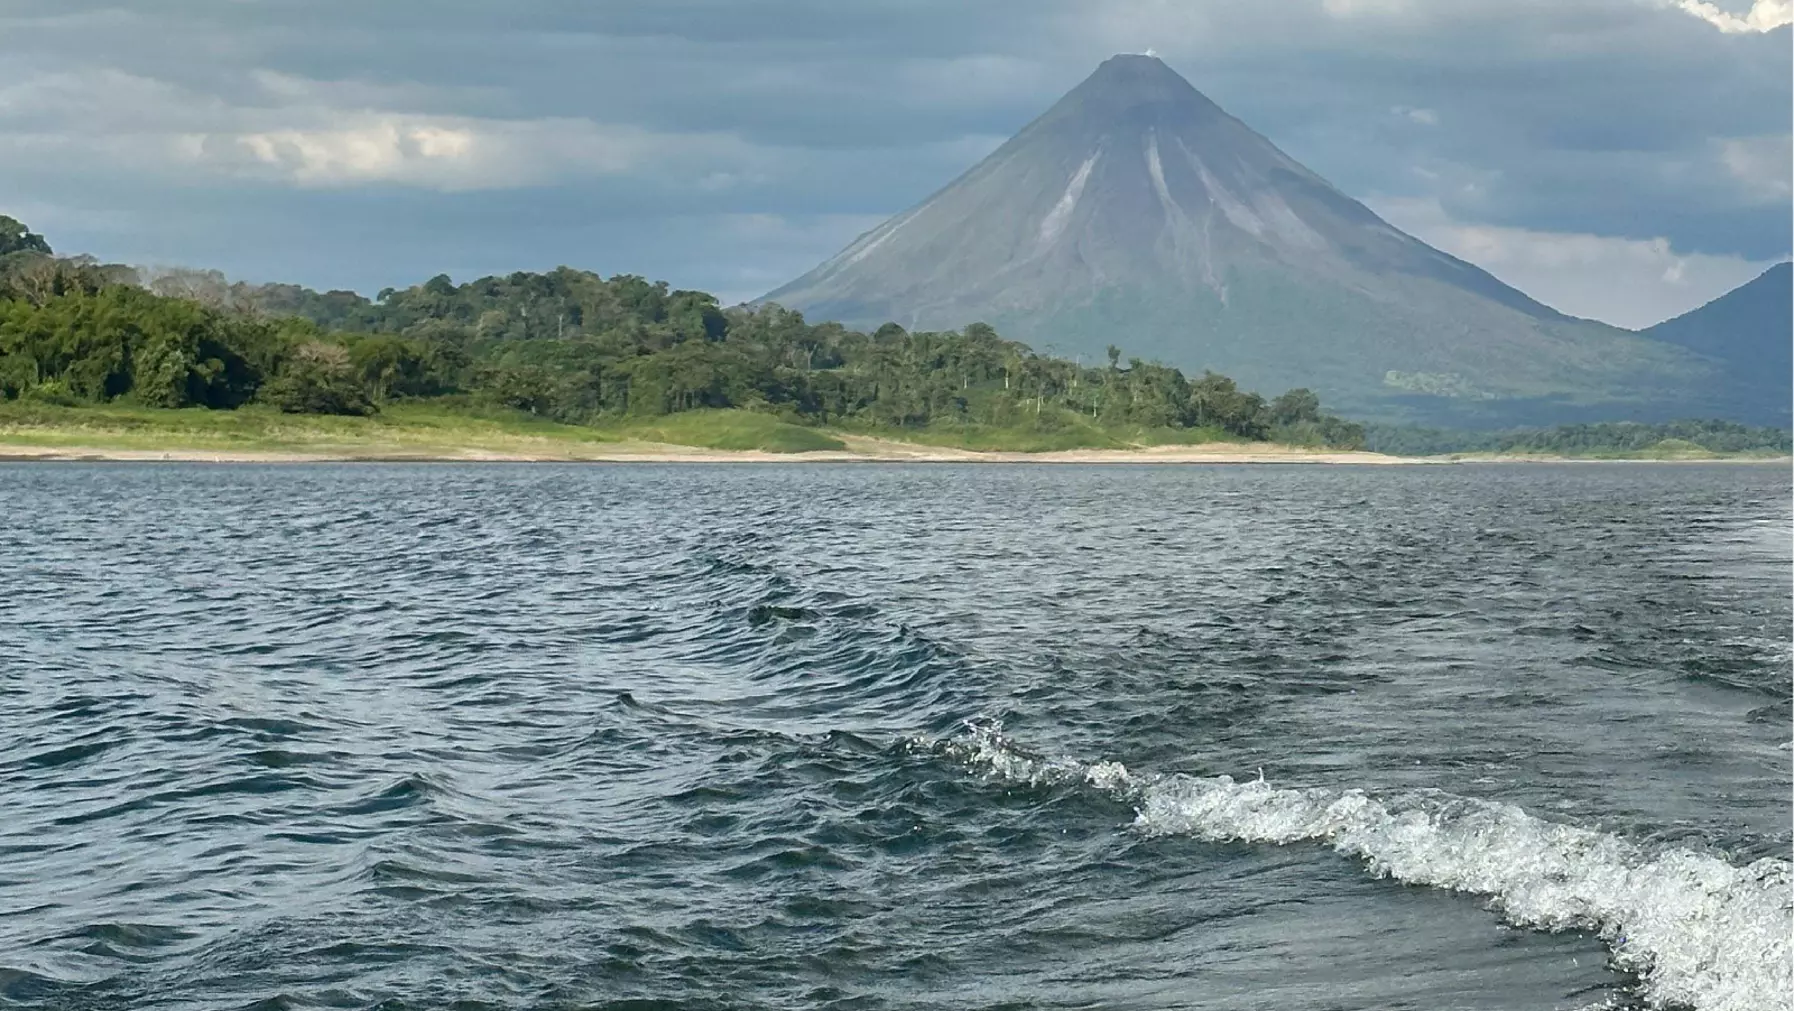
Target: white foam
1697, 930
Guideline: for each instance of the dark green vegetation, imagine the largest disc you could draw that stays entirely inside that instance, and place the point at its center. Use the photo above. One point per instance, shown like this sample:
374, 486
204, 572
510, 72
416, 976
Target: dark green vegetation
1680, 439
572, 347
1137, 211
1747, 328
16, 238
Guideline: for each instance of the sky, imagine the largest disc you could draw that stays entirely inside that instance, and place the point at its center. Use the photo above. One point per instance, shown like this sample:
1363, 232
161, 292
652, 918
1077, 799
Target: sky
1624, 160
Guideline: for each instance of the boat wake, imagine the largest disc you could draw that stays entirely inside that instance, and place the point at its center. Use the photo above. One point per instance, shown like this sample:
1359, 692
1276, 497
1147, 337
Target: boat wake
1698, 931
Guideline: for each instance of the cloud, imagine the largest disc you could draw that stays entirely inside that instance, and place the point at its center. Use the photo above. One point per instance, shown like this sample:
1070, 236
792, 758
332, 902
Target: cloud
463, 135
1763, 16
331, 134
455, 154
1764, 165
1363, 8
383, 151
1633, 283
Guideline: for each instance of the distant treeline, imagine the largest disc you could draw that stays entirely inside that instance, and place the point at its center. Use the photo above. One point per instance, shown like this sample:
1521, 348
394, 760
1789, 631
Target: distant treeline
1605, 439
567, 345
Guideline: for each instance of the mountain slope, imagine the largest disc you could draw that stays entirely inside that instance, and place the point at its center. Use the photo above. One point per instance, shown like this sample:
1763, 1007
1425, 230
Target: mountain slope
1751, 326
1136, 212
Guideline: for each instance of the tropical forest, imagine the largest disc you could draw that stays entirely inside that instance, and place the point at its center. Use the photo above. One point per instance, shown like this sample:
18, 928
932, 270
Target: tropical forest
572, 348
576, 348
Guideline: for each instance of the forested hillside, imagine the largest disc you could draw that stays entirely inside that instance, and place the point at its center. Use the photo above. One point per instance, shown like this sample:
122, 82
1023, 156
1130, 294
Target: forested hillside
571, 346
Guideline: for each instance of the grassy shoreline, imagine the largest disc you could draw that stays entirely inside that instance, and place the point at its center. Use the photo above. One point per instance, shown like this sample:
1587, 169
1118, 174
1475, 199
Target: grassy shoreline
425, 432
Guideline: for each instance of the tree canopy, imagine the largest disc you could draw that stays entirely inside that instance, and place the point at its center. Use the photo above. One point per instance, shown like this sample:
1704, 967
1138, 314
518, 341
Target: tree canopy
16, 238
569, 345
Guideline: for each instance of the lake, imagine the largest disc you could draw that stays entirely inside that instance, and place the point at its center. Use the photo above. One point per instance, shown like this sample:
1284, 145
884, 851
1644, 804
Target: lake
887, 737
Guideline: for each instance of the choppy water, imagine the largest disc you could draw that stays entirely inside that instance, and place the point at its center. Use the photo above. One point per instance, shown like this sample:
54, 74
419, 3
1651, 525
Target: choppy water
882, 737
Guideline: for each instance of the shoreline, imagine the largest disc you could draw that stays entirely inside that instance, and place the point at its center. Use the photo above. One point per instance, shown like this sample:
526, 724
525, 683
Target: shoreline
860, 449
423, 433
666, 453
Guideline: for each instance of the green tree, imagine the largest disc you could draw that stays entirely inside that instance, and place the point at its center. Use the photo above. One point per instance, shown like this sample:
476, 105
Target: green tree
1298, 406
319, 378
573, 346
394, 367
16, 238
520, 388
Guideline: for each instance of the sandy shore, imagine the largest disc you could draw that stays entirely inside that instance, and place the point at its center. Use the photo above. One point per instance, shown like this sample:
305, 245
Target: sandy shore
859, 449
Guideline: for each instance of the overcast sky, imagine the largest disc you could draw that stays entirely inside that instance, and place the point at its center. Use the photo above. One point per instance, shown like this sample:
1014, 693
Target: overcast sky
1620, 159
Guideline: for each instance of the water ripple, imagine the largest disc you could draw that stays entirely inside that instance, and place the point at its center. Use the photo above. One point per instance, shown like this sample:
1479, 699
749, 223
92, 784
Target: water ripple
642, 737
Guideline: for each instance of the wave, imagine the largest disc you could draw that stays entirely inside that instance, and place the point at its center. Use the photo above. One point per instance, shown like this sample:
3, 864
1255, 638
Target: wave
1696, 930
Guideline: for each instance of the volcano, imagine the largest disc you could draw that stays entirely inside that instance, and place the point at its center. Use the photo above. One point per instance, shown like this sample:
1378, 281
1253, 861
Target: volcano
1136, 212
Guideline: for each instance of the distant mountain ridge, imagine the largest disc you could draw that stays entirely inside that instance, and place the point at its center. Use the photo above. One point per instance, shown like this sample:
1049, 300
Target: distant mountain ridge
1749, 327
1137, 212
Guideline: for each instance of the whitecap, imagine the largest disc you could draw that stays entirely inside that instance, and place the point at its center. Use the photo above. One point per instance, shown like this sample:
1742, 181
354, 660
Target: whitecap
1696, 929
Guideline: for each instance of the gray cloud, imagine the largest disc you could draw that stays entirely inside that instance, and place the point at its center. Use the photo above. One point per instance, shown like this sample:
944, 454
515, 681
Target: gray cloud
725, 144
1764, 15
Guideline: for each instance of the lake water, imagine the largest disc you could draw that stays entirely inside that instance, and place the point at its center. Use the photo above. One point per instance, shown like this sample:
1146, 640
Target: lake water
879, 737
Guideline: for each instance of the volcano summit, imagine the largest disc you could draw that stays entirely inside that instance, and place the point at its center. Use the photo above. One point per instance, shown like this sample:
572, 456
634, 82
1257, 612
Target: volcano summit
1137, 212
